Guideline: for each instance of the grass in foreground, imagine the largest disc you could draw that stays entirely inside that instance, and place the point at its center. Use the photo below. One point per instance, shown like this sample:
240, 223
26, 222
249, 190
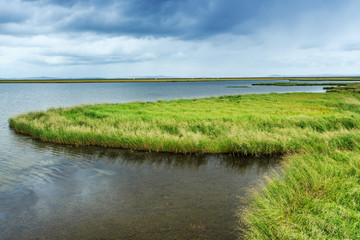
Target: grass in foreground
246, 125
317, 197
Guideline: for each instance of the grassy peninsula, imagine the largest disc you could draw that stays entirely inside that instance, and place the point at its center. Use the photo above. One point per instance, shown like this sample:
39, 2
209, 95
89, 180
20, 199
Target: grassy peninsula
245, 124
317, 195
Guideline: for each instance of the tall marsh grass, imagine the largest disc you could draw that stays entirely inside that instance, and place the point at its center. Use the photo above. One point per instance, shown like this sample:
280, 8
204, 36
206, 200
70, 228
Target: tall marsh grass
318, 197
246, 124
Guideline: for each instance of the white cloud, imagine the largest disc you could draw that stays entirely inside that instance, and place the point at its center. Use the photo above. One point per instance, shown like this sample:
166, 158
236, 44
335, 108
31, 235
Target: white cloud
315, 41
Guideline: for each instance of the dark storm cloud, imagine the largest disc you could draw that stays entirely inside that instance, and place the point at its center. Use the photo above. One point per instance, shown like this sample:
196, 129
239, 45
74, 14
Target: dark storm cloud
10, 13
186, 19
200, 18
183, 19
6, 17
178, 37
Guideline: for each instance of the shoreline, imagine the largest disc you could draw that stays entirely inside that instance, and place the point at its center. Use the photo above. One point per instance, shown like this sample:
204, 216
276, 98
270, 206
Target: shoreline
126, 80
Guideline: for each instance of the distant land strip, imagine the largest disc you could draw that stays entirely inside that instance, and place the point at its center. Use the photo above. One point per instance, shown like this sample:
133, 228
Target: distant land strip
178, 79
287, 84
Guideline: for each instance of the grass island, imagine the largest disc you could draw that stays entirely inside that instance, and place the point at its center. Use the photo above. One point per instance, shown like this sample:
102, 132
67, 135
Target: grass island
317, 195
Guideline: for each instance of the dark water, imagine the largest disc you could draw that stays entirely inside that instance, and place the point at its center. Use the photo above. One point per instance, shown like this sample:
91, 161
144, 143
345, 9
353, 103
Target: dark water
60, 192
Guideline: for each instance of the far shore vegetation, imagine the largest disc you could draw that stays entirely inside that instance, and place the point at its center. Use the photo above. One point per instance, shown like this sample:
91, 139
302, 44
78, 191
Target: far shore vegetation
315, 197
334, 87
101, 80
348, 88
287, 84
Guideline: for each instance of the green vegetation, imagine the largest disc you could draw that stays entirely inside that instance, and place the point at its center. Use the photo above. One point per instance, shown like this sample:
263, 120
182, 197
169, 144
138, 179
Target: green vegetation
286, 84
315, 197
324, 78
349, 88
339, 87
247, 124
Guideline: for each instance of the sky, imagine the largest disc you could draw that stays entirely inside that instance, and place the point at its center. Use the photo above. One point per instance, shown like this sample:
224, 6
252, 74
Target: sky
178, 38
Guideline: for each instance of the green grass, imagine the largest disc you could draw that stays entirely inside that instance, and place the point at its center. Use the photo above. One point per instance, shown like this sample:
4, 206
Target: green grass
245, 124
317, 197
348, 88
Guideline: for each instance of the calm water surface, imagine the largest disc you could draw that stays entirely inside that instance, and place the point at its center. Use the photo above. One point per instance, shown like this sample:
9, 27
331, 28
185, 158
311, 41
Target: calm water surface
60, 192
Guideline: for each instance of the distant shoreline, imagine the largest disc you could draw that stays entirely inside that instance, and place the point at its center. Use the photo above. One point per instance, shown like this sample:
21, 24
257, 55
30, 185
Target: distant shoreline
180, 80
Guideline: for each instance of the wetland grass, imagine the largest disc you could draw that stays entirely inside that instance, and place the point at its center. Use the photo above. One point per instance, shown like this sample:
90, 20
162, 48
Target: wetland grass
350, 87
245, 124
317, 197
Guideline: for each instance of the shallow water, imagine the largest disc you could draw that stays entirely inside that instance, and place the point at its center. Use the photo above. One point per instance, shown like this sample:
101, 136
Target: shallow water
61, 192
91, 193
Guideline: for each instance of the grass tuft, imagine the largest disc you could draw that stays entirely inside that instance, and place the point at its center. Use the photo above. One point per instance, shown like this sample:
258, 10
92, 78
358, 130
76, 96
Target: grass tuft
316, 198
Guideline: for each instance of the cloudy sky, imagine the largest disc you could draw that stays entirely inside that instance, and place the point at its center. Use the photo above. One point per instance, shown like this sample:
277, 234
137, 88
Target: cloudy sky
178, 38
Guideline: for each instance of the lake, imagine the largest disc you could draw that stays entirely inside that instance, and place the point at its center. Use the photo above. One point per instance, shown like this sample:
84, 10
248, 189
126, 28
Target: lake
49, 191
